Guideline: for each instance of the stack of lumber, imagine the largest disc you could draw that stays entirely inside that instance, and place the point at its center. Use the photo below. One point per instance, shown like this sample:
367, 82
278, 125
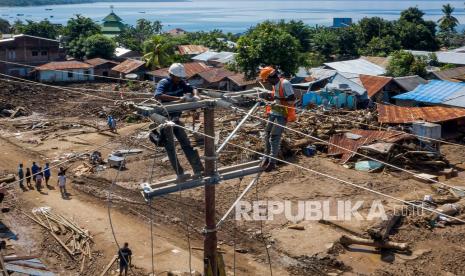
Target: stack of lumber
76, 241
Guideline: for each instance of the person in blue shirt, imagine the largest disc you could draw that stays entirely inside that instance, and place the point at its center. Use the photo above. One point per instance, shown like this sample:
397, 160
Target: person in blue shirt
47, 174
34, 170
175, 89
21, 176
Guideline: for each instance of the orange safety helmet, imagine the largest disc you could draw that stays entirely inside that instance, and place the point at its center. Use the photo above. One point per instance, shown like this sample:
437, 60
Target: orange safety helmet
266, 72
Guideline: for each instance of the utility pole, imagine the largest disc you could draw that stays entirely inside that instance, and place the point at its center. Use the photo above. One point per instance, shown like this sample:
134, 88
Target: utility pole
210, 242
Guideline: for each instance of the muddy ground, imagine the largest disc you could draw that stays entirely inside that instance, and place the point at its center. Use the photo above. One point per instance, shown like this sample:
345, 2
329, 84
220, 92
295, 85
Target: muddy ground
72, 123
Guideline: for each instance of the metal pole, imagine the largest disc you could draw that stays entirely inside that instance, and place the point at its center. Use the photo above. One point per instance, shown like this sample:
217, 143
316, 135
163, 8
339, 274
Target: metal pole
210, 241
231, 135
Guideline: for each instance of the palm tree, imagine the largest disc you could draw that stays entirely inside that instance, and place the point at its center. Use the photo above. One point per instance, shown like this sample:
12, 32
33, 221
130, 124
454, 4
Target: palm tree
158, 52
447, 23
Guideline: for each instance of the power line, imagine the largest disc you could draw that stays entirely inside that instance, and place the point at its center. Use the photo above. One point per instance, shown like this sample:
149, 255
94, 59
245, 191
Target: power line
349, 150
329, 176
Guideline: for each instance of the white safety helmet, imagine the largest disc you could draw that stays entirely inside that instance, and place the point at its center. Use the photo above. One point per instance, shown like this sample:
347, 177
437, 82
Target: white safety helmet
177, 69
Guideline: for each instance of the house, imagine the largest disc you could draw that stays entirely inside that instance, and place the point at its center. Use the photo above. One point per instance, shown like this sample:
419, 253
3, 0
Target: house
112, 25
453, 74
445, 57
102, 67
129, 66
215, 58
435, 92
409, 83
356, 66
191, 50
29, 50
65, 71
380, 89
215, 78
380, 61
451, 119
238, 82
122, 53
176, 32
191, 68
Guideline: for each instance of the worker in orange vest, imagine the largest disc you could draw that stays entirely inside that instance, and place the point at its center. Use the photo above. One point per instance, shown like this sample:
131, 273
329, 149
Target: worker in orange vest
280, 111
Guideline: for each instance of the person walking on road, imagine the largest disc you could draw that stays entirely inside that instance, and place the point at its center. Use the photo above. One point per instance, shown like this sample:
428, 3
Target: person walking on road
125, 258
47, 174
39, 178
21, 177
34, 170
28, 179
280, 111
61, 182
175, 89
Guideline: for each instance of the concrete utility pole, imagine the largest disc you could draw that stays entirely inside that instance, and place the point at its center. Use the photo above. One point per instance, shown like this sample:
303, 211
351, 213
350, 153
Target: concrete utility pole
210, 242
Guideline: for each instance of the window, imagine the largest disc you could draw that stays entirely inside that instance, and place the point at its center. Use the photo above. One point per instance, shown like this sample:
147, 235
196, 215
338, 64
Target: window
86, 73
11, 54
44, 53
70, 75
105, 73
35, 53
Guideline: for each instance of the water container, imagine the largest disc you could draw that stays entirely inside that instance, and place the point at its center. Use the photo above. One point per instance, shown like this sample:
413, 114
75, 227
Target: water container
426, 129
310, 151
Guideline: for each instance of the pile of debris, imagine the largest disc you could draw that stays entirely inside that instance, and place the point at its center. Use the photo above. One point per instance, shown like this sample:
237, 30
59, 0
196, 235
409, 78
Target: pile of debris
10, 111
76, 241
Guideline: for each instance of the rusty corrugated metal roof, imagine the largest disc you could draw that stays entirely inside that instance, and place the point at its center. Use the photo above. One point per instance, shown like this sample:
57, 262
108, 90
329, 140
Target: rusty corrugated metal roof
453, 74
128, 66
367, 137
380, 61
100, 61
64, 65
374, 84
191, 68
215, 74
392, 114
240, 80
192, 49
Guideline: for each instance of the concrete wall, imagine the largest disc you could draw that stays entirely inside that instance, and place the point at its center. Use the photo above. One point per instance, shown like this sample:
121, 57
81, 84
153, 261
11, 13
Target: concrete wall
58, 76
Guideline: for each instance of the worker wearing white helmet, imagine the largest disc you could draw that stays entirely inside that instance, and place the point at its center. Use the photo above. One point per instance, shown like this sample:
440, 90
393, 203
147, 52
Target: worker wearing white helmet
175, 89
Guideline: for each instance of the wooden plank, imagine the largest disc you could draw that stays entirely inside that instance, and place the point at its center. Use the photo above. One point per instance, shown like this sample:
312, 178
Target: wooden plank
104, 272
63, 245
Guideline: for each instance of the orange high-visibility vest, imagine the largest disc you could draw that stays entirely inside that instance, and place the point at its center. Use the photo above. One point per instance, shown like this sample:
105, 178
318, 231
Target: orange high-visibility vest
289, 109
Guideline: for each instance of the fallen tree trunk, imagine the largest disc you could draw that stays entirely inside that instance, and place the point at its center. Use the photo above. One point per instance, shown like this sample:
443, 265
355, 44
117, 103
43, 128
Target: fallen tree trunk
349, 240
8, 179
381, 230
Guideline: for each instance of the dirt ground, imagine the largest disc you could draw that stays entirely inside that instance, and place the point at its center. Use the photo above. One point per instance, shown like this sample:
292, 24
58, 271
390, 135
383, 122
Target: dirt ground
69, 124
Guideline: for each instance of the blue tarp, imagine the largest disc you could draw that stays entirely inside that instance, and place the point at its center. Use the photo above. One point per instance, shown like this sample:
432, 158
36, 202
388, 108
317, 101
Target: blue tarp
434, 92
339, 100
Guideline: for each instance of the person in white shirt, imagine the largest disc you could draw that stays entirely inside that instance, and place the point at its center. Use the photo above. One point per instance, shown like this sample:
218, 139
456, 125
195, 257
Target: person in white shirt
62, 184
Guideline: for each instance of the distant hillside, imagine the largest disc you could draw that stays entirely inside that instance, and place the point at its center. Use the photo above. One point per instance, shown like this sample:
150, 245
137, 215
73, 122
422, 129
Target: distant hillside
59, 2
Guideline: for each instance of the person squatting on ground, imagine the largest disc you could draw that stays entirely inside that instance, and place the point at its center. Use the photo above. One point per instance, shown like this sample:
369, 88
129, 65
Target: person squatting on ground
280, 111
175, 89
111, 122
125, 259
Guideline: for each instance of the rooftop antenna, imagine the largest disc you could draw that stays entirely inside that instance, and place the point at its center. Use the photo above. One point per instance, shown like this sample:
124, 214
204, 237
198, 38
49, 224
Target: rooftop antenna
111, 7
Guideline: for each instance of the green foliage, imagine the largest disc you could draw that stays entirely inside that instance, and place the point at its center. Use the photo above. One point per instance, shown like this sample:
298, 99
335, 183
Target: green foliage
371, 27
403, 63
267, 44
80, 26
99, 46
77, 47
5, 26
416, 33
132, 37
325, 41
158, 51
381, 46
448, 22
299, 30
313, 59
215, 40
41, 29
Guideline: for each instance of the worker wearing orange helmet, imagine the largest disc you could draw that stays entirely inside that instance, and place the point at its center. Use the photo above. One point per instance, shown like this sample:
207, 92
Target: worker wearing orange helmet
280, 111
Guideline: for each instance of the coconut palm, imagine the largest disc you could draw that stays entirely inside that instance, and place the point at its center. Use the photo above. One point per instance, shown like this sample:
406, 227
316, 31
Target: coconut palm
447, 23
158, 52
